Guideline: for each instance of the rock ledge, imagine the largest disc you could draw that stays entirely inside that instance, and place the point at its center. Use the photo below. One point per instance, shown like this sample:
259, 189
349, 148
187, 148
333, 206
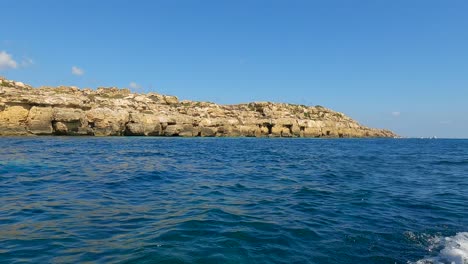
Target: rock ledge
25, 110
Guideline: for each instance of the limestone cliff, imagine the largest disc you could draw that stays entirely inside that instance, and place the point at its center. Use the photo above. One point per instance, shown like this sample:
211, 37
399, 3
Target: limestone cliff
118, 112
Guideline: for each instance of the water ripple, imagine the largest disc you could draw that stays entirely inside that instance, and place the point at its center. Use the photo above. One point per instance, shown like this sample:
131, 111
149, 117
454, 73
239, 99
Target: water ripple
176, 200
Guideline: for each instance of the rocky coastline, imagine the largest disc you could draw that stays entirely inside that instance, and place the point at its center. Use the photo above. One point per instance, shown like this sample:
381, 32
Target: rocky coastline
28, 111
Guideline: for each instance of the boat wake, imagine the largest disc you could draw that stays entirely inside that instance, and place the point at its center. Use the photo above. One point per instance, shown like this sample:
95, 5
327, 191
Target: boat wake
453, 250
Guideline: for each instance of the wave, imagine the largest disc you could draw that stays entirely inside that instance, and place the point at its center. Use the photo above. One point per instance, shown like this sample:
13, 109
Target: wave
451, 162
453, 250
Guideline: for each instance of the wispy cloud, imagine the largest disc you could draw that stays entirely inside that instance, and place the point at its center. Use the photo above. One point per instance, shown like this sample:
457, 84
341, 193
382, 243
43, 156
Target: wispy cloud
77, 71
134, 85
26, 62
7, 61
396, 114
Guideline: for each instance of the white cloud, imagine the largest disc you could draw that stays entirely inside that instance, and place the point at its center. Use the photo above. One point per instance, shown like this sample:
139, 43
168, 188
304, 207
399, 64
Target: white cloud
134, 85
77, 71
396, 113
6, 61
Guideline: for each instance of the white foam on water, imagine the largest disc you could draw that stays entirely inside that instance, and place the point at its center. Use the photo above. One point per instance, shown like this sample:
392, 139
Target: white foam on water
454, 250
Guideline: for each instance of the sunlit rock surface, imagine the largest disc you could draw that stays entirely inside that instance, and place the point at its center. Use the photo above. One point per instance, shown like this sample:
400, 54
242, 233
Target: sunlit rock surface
25, 110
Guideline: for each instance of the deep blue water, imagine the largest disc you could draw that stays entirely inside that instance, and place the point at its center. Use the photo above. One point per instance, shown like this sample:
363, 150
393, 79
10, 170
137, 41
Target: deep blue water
201, 200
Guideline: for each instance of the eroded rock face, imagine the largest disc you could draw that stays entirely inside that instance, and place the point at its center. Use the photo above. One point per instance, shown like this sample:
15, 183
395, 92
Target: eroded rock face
70, 121
119, 112
13, 120
143, 124
107, 122
40, 120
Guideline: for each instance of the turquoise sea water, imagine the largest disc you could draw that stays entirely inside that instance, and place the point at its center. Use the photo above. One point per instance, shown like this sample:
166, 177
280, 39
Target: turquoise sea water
201, 200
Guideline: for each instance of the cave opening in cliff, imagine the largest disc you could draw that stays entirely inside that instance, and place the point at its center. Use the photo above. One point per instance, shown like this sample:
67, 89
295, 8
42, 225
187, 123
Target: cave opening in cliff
269, 126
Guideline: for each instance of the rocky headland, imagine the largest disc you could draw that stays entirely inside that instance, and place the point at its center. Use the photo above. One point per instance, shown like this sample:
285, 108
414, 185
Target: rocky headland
25, 110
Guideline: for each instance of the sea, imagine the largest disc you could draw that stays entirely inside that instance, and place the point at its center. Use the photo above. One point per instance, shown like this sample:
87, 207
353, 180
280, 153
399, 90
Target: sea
233, 200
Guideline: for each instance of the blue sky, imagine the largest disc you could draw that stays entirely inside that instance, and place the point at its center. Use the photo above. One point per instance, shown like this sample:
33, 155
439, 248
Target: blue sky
394, 64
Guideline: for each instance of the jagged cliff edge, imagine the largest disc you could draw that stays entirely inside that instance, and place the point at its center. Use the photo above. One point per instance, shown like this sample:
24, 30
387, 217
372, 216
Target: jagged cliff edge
25, 110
